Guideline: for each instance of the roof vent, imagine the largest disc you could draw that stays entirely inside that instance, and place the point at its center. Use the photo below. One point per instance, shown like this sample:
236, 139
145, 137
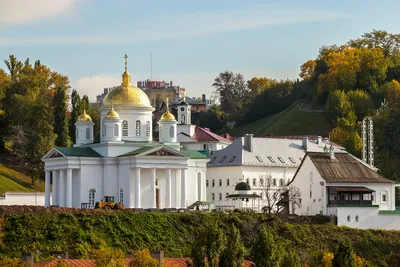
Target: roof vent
331, 152
319, 140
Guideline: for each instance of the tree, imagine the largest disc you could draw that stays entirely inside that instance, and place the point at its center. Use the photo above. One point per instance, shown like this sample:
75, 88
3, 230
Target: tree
344, 255
362, 103
277, 196
75, 113
266, 251
389, 43
214, 118
108, 257
392, 94
143, 258
307, 70
257, 85
60, 118
232, 256
341, 110
291, 259
233, 93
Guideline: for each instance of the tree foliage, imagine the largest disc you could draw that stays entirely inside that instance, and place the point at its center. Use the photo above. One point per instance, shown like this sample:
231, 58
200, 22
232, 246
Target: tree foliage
75, 113
108, 257
266, 251
143, 258
60, 118
232, 255
344, 256
214, 118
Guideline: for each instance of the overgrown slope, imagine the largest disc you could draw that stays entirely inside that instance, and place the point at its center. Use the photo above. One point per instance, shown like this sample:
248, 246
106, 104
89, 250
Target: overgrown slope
13, 179
292, 121
78, 233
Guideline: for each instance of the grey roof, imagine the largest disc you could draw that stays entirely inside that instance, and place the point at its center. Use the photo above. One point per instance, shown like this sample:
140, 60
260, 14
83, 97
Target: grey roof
266, 152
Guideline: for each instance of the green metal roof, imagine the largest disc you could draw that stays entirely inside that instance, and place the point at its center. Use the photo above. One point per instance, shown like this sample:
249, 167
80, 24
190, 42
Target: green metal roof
242, 186
138, 151
194, 154
77, 151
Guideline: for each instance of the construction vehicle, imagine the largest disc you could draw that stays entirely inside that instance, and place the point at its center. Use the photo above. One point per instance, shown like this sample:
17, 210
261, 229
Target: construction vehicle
108, 203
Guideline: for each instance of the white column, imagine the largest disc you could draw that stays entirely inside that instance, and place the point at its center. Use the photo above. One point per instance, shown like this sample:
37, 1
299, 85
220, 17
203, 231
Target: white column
61, 189
153, 188
169, 189
131, 190
183, 188
137, 188
203, 185
178, 179
47, 189
54, 192
69, 189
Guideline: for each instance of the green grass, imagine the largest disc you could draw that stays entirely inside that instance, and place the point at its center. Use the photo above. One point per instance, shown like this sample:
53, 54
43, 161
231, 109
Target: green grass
13, 179
291, 121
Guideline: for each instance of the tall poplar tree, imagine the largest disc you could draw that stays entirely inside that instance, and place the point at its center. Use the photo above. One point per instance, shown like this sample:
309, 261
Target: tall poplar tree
75, 113
60, 118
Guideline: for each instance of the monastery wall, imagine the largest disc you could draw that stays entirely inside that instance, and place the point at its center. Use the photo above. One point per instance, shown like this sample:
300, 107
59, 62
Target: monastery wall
22, 198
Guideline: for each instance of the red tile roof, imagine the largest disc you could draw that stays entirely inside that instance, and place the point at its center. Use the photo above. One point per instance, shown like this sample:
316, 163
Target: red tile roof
168, 262
205, 135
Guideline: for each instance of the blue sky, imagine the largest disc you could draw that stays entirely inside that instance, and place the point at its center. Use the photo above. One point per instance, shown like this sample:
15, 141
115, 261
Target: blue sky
191, 41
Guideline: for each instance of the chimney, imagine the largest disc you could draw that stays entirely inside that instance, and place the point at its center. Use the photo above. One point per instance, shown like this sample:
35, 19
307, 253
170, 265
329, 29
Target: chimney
305, 143
27, 257
203, 98
158, 255
331, 152
248, 142
319, 140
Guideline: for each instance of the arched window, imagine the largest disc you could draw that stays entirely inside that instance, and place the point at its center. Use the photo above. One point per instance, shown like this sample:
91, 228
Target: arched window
261, 182
121, 196
160, 130
357, 218
227, 182
147, 128
280, 182
183, 118
348, 218
103, 130
274, 182
220, 182
171, 131
87, 133
124, 128
137, 128
116, 130
92, 197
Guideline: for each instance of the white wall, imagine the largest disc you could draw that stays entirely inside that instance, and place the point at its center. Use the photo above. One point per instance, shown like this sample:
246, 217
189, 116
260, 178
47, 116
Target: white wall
368, 217
22, 198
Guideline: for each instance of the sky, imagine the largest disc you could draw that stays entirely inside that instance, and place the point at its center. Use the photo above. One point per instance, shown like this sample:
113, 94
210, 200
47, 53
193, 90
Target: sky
191, 42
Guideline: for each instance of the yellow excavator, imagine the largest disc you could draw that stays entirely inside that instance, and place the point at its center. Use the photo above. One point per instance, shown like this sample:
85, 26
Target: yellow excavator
108, 203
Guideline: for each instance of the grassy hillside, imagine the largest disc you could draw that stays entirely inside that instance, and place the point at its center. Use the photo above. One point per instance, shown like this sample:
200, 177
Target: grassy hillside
13, 179
55, 229
292, 121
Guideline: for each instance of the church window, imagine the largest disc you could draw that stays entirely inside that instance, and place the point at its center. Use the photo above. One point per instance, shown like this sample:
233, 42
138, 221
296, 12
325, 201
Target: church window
213, 196
220, 182
103, 130
227, 182
121, 196
274, 182
116, 132
261, 182
281, 182
124, 128
220, 196
213, 183
183, 118
147, 128
171, 131
137, 128
87, 133
254, 182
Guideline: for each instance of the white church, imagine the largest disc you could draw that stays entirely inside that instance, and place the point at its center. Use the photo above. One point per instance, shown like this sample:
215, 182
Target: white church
127, 163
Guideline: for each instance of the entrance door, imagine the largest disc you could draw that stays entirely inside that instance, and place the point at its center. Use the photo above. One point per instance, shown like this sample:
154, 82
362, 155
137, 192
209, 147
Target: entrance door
157, 198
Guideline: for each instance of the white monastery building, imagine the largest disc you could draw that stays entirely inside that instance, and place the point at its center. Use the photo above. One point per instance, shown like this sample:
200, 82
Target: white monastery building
254, 160
127, 163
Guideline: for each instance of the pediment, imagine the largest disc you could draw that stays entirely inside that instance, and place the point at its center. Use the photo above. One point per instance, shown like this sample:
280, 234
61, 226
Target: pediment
163, 151
53, 153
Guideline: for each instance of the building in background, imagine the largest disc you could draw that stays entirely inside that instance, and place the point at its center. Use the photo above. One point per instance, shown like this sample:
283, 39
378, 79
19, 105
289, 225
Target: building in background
100, 98
159, 91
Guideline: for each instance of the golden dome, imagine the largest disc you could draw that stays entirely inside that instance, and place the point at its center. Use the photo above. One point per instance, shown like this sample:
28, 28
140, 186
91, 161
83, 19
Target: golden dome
84, 116
112, 114
127, 94
167, 116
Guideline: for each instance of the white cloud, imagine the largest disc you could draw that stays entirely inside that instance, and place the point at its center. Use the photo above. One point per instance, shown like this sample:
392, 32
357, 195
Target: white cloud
196, 83
14, 12
177, 26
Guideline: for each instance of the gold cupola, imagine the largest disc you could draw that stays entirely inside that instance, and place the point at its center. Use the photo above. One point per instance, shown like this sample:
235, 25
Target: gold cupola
167, 116
84, 116
112, 114
126, 93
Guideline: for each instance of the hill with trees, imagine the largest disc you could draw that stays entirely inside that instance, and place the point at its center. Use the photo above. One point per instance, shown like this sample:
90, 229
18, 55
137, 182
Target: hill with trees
227, 236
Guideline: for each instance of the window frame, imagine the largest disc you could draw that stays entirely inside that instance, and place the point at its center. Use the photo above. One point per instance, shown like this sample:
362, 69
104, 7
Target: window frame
281, 159
116, 130
137, 127
271, 159
125, 128
292, 160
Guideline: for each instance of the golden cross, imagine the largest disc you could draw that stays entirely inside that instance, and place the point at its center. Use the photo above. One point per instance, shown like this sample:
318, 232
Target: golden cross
126, 62
166, 102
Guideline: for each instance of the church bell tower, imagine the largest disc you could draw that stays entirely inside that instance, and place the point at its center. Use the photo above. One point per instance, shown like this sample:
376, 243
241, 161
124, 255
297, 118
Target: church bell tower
184, 112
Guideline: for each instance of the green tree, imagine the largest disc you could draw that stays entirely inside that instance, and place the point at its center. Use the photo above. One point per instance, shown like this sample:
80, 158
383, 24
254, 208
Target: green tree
257, 85
60, 118
344, 255
75, 113
232, 256
143, 259
389, 43
266, 251
392, 94
307, 70
291, 259
362, 103
341, 110
108, 257
214, 118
